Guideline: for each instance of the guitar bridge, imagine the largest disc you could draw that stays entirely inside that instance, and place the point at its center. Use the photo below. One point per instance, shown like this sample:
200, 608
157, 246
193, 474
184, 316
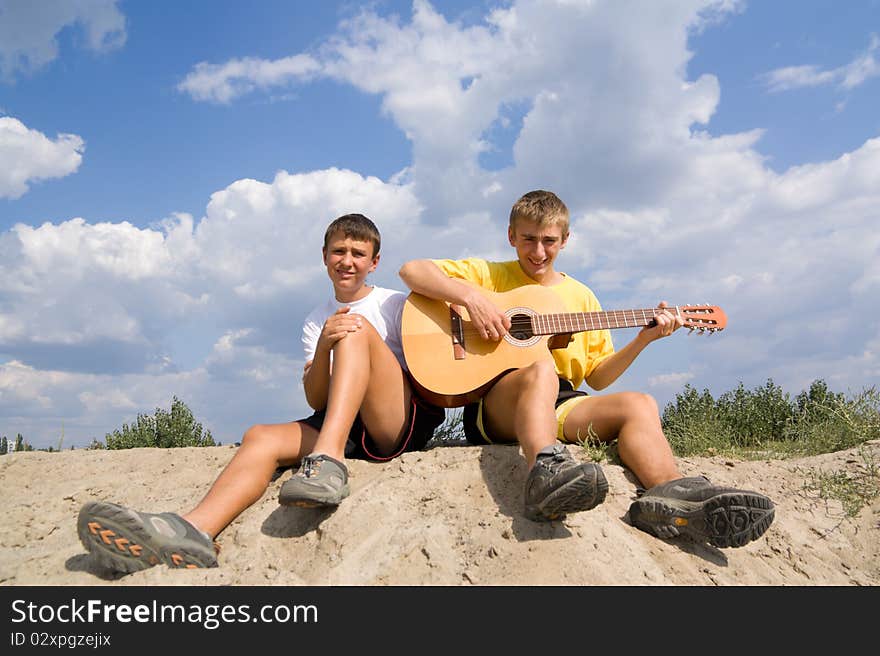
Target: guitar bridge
457, 332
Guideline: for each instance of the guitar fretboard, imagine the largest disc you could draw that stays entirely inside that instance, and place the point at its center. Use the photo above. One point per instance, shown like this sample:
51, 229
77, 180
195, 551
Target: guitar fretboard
573, 322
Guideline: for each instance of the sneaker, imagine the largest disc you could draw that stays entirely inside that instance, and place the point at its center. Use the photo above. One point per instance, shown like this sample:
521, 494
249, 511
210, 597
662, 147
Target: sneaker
124, 540
558, 484
320, 481
721, 516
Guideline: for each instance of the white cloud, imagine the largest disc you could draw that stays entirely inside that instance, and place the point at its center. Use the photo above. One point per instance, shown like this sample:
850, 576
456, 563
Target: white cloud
76, 286
222, 83
43, 404
674, 381
74, 249
445, 84
812, 186
109, 297
112, 400
237, 357
28, 156
796, 77
848, 76
83, 406
29, 30
268, 235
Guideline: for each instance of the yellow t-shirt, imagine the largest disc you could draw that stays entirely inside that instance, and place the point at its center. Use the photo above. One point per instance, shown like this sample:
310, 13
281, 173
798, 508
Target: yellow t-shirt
586, 350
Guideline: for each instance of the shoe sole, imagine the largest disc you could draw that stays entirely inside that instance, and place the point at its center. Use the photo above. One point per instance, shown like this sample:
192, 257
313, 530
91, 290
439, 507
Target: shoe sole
731, 519
119, 541
301, 501
582, 493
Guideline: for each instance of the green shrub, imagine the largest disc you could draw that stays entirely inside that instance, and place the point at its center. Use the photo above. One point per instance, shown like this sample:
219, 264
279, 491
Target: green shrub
754, 416
694, 423
825, 422
766, 421
163, 429
853, 490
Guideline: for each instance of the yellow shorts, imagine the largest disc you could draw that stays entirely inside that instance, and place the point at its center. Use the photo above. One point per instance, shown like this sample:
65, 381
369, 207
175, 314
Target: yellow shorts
562, 411
476, 433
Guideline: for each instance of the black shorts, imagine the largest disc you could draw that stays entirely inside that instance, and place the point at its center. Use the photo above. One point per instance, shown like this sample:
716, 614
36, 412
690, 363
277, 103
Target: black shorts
472, 416
423, 420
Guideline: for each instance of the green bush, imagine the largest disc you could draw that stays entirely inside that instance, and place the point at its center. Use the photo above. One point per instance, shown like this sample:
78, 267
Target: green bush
766, 420
825, 422
163, 429
693, 423
754, 416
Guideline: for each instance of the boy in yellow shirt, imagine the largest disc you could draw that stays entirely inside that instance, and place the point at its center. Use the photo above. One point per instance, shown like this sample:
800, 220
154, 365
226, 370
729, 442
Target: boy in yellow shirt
539, 404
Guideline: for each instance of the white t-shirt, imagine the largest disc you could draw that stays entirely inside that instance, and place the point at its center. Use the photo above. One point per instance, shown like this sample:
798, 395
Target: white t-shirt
381, 307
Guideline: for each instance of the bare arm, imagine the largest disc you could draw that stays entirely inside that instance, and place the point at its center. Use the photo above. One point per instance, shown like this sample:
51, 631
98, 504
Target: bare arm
316, 381
426, 278
316, 373
611, 368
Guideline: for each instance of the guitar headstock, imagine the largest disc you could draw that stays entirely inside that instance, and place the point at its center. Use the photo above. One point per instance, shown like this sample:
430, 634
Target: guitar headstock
705, 318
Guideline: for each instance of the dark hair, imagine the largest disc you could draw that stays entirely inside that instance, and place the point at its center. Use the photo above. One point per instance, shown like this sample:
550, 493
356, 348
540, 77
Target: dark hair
355, 226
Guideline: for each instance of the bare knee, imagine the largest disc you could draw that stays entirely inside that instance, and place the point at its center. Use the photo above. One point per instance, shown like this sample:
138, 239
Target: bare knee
541, 375
359, 338
261, 437
260, 443
639, 405
255, 435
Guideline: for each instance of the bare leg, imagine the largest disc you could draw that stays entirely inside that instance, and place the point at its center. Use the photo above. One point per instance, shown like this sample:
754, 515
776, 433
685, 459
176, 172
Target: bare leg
634, 420
530, 393
368, 379
264, 447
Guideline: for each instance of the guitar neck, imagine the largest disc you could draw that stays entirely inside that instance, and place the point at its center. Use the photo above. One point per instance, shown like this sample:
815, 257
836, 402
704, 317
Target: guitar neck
575, 322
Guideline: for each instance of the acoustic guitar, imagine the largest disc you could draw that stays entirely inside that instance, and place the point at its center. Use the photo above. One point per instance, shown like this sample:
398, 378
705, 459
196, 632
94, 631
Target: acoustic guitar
451, 365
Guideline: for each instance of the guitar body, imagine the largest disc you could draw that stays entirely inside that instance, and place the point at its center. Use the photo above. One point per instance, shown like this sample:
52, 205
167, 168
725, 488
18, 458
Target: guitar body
450, 364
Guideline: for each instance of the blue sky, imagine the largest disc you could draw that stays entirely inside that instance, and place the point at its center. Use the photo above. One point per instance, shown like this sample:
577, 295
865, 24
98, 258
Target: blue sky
167, 170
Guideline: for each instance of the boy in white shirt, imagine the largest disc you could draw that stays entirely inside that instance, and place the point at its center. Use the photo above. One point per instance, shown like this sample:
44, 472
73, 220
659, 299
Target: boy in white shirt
354, 378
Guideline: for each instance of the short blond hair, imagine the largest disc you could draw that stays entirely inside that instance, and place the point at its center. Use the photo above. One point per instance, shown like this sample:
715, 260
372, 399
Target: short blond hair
542, 207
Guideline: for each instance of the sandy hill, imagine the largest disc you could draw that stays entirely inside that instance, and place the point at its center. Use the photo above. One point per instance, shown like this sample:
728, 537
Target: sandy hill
447, 516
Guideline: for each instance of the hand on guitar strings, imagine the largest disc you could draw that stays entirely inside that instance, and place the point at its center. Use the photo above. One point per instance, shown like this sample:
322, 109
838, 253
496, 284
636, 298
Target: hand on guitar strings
665, 323
490, 322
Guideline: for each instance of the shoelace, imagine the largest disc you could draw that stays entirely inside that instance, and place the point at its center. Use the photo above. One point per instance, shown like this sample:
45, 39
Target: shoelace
553, 461
311, 466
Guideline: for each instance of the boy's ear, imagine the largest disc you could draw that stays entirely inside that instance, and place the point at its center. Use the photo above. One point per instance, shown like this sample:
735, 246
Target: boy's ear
375, 263
511, 236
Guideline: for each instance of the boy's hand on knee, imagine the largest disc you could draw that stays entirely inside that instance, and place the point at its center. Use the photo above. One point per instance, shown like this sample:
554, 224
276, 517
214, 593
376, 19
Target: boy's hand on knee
338, 325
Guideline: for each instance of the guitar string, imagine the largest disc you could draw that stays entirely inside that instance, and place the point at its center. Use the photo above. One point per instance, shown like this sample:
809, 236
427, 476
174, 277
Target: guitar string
561, 324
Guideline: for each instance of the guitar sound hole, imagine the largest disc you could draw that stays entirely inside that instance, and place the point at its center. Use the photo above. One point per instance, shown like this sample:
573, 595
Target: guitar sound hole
521, 327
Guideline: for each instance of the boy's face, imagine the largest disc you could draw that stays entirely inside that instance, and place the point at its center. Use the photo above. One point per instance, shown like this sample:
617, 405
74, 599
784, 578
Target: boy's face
536, 246
349, 261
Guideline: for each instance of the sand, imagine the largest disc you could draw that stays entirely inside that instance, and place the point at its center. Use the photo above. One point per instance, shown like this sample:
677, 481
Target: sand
449, 516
